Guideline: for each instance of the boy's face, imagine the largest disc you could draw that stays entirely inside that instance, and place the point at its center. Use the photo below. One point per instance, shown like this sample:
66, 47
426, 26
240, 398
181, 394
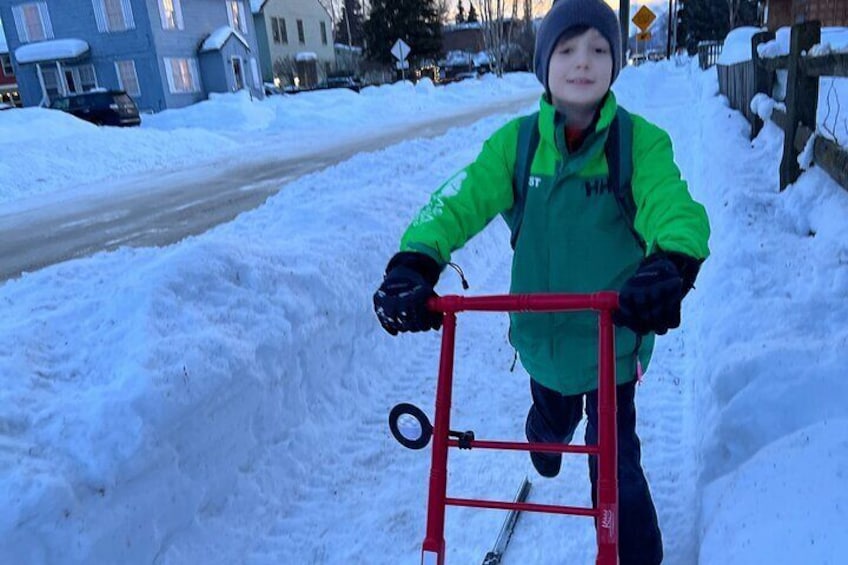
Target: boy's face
580, 71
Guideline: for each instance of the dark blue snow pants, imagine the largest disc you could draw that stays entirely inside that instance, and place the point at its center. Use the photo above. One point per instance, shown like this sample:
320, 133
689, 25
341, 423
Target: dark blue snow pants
556, 416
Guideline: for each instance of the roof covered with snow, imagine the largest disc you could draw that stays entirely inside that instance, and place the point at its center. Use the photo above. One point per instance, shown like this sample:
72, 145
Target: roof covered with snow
257, 5
52, 50
219, 37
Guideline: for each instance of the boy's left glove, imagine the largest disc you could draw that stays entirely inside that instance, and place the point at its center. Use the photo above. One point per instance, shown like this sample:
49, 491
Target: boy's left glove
650, 300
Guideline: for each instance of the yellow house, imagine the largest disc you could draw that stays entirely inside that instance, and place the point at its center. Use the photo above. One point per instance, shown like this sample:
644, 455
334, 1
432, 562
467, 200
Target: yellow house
295, 40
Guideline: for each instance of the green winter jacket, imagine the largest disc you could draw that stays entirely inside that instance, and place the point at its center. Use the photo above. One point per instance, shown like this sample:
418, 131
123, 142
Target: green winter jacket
573, 237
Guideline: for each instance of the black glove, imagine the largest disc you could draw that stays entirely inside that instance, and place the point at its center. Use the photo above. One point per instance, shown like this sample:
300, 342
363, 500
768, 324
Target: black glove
401, 301
650, 300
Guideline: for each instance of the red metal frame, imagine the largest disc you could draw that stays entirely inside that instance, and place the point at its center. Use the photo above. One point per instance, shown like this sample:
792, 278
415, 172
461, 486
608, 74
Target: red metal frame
606, 513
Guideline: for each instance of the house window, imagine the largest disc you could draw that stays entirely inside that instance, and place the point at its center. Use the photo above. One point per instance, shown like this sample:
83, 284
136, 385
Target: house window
113, 15
300, 35
127, 77
79, 79
85, 77
6, 61
50, 79
32, 21
324, 33
284, 34
275, 30
171, 14
237, 20
182, 75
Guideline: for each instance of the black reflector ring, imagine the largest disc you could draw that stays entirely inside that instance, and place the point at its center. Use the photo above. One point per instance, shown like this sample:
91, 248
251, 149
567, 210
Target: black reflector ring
424, 426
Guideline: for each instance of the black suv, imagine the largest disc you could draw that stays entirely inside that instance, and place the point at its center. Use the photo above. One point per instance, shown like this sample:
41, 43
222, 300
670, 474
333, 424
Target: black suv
103, 107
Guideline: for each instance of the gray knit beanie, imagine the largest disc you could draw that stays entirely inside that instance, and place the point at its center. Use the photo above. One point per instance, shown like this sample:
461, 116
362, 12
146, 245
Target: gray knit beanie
566, 14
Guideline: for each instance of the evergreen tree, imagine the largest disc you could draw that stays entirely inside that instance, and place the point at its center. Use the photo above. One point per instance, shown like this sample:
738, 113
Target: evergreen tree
460, 13
709, 20
354, 8
472, 14
414, 21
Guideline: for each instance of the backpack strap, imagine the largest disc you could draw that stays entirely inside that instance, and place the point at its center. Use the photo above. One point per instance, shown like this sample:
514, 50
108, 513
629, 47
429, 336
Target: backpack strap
619, 153
525, 151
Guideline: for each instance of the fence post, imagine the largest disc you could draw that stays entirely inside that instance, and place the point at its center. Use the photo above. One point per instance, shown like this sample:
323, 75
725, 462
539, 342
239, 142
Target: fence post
763, 79
802, 97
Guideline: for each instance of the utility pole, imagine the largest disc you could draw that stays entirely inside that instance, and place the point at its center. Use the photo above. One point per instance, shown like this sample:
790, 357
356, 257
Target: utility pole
624, 16
671, 20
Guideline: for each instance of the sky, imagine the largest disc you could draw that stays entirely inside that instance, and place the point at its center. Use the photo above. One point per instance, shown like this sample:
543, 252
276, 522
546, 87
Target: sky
225, 399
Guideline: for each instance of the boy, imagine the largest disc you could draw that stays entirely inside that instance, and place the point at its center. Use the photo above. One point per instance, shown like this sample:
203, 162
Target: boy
571, 233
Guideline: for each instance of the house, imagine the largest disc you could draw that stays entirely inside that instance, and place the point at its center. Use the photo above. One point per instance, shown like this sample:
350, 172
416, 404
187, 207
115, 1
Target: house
781, 13
295, 40
8, 83
164, 53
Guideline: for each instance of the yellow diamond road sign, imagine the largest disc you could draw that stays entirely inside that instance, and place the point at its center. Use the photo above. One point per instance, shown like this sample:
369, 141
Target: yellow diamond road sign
644, 18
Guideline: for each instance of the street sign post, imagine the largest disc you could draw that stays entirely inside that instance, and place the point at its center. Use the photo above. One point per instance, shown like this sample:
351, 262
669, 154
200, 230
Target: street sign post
400, 51
644, 18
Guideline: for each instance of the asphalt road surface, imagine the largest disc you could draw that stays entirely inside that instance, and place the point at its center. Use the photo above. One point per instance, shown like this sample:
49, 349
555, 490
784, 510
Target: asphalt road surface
162, 208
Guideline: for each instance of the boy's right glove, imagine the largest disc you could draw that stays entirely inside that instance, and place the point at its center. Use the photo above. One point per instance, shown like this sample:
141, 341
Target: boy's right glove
401, 301
650, 300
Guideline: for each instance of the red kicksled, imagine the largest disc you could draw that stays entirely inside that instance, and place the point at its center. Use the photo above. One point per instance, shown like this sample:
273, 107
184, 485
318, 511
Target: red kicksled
606, 513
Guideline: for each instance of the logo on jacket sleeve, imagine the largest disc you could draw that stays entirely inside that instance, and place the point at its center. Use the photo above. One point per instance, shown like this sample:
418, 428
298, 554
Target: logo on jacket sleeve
534, 182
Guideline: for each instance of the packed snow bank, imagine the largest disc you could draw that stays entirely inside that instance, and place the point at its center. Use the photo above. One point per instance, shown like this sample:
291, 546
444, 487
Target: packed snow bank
737, 46
62, 153
771, 303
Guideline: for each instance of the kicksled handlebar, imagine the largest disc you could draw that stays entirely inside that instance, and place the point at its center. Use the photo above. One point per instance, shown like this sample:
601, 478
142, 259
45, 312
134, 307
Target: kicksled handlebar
606, 511
599, 301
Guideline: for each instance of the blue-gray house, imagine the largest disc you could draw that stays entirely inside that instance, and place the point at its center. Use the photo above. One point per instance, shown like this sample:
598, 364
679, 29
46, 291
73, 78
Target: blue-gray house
164, 53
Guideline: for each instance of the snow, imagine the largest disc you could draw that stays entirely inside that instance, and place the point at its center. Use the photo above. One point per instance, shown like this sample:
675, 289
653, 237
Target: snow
51, 50
737, 46
4, 47
217, 39
835, 38
230, 126
224, 399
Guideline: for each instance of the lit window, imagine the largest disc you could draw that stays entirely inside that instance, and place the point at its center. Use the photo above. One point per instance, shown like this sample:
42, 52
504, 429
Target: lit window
171, 14
237, 20
182, 75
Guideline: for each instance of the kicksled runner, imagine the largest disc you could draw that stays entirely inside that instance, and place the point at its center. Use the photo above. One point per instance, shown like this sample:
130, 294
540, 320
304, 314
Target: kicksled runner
418, 434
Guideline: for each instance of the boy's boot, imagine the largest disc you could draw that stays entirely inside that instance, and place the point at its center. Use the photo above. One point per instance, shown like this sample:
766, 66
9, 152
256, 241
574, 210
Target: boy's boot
546, 464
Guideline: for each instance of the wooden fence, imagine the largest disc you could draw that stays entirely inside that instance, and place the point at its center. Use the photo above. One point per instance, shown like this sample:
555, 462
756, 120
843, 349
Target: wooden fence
741, 82
708, 53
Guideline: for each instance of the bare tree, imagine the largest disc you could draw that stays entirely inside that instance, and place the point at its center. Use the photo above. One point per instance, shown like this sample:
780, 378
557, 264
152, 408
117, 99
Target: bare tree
733, 8
496, 33
443, 9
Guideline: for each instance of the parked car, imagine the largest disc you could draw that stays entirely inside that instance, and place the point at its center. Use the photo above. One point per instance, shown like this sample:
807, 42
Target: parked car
101, 107
343, 82
272, 89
